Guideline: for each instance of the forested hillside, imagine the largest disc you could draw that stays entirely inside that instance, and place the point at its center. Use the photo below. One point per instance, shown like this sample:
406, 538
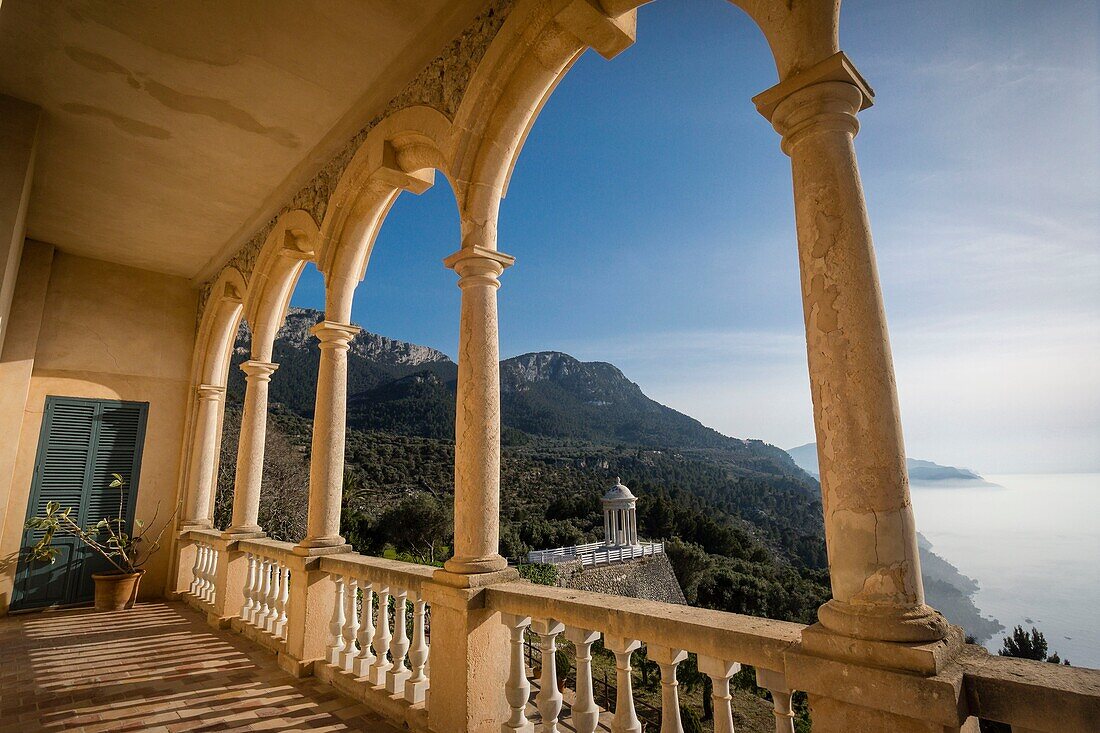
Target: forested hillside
742, 521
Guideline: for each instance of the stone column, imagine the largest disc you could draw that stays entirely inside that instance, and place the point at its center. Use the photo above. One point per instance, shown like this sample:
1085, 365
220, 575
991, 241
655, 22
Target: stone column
477, 423
250, 449
869, 528
326, 469
204, 456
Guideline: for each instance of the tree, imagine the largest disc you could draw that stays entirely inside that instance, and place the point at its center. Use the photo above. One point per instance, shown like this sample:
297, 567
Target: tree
1023, 645
420, 524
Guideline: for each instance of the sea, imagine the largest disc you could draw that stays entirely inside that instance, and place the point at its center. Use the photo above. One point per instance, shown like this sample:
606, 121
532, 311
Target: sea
1032, 542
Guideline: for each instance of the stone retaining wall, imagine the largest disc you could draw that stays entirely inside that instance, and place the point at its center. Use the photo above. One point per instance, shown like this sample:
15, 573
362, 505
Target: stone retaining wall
650, 578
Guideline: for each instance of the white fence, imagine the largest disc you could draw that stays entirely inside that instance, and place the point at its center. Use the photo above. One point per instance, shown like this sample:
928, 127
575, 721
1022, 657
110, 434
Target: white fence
596, 553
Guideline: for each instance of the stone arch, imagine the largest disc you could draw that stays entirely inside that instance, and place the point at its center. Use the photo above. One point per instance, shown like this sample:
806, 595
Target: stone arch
210, 370
218, 328
536, 47
401, 153
291, 243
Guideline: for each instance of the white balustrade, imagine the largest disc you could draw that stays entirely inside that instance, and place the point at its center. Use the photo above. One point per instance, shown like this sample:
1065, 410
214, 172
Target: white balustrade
399, 646
549, 699
336, 625
417, 684
283, 600
668, 658
272, 617
517, 690
266, 593
249, 590
720, 671
351, 625
585, 711
626, 719
361, 665
776, 685
382, 636
204, 573
371, 636
596, 553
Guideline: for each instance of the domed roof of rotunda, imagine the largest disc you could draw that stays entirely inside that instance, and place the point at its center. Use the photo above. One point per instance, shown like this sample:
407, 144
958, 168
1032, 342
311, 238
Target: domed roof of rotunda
618, 492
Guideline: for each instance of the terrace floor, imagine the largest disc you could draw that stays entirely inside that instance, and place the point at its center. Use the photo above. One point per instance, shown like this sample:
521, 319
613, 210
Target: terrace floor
158, 667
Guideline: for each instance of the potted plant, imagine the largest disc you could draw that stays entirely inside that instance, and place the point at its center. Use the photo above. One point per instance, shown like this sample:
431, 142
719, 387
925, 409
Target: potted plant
116, 589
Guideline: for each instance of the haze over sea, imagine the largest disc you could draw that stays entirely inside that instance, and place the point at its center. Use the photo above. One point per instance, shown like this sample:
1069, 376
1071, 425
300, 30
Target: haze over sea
1033, 546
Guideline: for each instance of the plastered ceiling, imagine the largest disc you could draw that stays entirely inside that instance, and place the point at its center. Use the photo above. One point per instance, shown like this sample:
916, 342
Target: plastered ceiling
173, 129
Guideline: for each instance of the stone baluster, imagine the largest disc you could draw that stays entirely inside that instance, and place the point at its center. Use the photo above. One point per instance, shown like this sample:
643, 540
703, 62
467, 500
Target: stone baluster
208, 570
417, 684
585, 712
549, 699
249, 590
351, 623
668, 658
720, 671
276, 590
382, 638
204, 572
399, 645
283, 601
517, 691
265, 594
365, 658
196, 571
336, 624
776, 684
625, 720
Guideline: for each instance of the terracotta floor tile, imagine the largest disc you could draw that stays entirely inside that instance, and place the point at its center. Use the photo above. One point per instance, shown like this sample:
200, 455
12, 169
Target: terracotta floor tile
156, 669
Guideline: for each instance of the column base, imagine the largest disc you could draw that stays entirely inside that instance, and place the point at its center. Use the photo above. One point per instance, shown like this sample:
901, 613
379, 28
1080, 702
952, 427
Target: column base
923, 658
909, 625
243, 533
190, 524
304, 550
474, 565
474, 580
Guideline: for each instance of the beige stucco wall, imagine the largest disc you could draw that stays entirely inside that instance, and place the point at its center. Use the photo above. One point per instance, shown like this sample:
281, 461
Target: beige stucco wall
107, 332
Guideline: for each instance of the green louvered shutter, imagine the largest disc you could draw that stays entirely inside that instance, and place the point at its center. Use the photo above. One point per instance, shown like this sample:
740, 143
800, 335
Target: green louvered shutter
82, 443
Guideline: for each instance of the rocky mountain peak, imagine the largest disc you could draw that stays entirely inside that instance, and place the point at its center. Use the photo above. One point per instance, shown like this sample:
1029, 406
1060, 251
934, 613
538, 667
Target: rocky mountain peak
370, 346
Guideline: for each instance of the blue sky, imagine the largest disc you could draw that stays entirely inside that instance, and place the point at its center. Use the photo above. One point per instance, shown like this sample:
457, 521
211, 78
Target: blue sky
652, 221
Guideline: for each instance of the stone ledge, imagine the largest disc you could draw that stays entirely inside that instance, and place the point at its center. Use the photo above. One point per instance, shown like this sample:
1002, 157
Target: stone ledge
926, 658
1031, 695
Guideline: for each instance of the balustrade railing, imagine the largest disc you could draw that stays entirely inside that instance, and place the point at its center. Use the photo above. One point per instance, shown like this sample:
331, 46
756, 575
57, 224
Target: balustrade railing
267, 587
380, 630
378, 646
596, 553
204, 571
721, 641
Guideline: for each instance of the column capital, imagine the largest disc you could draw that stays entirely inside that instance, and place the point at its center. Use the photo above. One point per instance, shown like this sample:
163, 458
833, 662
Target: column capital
335, 335
210, 392
479, 265
825, 96
262, 370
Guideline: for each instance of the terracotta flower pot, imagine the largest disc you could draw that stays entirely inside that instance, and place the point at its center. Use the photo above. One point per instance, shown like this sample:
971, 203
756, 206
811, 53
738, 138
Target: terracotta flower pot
116, 591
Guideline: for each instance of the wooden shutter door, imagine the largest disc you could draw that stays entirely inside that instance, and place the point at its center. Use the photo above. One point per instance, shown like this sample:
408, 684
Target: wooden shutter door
82, 443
